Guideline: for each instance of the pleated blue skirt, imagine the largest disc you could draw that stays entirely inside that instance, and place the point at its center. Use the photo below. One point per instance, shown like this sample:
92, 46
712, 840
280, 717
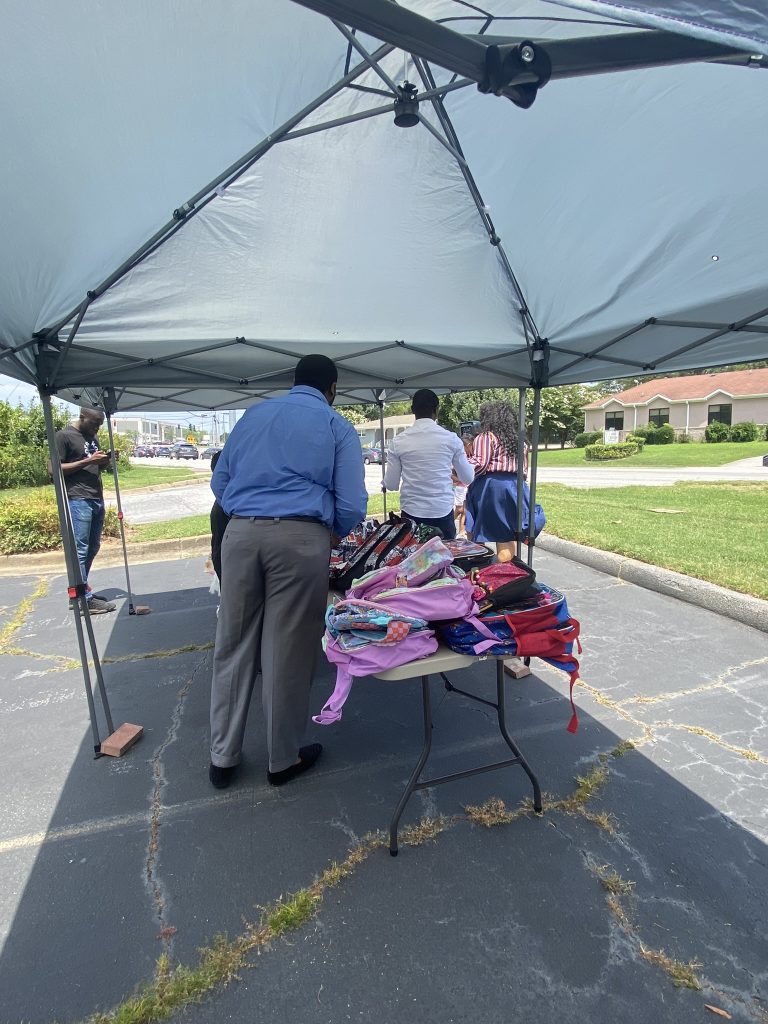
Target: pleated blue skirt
491, 507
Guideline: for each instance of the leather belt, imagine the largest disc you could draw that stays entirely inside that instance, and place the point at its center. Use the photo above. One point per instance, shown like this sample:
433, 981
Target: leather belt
282, 519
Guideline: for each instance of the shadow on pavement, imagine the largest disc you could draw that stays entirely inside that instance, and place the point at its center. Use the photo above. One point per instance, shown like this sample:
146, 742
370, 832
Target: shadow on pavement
107, 864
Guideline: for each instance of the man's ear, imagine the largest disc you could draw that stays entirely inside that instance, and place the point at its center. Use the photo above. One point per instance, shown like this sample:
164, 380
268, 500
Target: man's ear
332, 393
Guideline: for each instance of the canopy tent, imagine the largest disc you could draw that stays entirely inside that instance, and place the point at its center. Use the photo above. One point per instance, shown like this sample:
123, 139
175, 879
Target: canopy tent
620, 218
197, 194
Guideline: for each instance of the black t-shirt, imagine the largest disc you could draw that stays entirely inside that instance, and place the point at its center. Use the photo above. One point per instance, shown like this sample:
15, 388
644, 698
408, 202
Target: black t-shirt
72, 447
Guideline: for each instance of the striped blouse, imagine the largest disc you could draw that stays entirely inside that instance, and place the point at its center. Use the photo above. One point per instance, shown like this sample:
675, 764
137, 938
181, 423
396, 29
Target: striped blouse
488, 456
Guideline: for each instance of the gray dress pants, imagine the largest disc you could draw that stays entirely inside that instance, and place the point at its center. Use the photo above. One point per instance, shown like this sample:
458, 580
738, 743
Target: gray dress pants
273, 600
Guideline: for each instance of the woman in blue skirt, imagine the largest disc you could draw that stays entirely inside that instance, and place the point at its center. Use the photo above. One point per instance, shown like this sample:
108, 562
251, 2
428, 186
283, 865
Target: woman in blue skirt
491, 503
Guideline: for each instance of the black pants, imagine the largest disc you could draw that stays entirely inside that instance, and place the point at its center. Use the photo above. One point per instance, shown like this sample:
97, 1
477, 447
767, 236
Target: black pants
446, 524
219, 520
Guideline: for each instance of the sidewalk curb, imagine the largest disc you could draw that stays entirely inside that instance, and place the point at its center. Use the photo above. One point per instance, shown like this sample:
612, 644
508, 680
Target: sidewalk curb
751, 611
110, 555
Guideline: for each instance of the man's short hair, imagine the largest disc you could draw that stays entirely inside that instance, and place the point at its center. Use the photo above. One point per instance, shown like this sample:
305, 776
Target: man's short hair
88, 410
316, 371
424, 403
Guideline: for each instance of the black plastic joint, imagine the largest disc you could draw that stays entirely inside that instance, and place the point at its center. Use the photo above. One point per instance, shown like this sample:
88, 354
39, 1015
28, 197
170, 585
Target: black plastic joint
91, 295
494, 239
650, 321
243, 380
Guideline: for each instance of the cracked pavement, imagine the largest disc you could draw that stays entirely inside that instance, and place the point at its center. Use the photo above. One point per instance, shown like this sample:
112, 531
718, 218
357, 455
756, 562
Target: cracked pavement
108, 864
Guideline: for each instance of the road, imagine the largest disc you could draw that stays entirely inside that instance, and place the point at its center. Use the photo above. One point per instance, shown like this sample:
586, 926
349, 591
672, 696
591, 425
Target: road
194, 499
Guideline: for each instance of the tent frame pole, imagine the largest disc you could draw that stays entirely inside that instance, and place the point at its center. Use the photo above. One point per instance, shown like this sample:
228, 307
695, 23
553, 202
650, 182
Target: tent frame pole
109, 409
532, 469
380, 395
520, 469
76, 585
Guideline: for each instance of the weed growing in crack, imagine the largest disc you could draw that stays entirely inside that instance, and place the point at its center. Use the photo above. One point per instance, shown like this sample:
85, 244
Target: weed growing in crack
495, 812
682, 975
612, 881
622, 748
11, 628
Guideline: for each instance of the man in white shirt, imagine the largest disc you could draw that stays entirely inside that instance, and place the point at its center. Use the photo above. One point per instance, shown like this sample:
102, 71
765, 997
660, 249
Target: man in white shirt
423, 457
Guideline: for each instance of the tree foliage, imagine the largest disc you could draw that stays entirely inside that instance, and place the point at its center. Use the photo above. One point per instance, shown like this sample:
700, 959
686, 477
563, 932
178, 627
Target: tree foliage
23, 444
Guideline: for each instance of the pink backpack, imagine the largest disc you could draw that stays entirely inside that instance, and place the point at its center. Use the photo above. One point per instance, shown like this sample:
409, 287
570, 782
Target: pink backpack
367, 661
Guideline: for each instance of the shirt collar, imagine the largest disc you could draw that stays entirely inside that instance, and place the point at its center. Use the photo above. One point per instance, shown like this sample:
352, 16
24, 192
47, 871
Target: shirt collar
305, 389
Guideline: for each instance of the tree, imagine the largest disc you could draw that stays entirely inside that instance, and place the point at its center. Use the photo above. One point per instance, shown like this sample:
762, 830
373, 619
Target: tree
351, 413
24, 443
561, 412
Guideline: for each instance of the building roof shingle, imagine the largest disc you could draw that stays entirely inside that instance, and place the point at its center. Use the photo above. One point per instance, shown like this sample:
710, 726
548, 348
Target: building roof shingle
738, 383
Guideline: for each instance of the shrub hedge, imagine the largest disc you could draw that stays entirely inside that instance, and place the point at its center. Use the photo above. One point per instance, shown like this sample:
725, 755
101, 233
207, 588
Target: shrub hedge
744, 431
606, 452
716, 432
588, 437
32, 524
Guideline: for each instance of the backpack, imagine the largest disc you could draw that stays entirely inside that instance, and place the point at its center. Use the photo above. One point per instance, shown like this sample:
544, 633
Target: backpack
423, 564
502, 584
540, 626
388, 544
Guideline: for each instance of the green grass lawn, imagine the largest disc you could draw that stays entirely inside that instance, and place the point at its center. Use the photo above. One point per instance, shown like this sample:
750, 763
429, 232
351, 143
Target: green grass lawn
719, 535
195, 526
147, 476
717, 532
674, 455
135, 477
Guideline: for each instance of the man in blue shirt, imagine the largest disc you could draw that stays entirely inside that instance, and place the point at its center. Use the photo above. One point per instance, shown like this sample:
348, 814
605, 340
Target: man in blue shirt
290, 475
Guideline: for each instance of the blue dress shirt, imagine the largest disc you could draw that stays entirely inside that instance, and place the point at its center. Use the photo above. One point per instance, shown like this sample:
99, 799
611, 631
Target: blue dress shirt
293, 456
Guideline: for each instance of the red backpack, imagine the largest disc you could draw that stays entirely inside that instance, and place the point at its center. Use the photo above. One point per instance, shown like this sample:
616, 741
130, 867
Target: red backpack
502, 584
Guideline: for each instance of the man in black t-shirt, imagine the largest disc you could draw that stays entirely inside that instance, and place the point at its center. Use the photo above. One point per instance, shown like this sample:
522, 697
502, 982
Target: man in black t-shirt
81, 464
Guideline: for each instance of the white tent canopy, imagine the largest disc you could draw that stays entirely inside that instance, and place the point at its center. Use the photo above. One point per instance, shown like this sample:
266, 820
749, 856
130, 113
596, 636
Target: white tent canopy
615, 227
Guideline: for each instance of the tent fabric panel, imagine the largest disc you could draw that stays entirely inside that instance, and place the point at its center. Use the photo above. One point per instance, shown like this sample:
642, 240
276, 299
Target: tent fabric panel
102, 141
364, 232
721, 21
608, 227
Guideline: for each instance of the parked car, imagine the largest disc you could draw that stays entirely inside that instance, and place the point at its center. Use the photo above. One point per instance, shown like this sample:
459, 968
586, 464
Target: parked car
163, 451
186, 451
371, 455
143, 451
210, 452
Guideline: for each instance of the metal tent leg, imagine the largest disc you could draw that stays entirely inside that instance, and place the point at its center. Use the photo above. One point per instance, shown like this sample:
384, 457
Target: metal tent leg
76, 586
131, 609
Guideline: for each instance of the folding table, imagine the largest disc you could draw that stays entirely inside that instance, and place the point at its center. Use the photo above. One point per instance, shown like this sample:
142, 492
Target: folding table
443, 661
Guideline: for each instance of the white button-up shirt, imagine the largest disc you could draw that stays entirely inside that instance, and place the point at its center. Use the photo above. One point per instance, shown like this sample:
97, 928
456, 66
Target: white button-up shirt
423, 457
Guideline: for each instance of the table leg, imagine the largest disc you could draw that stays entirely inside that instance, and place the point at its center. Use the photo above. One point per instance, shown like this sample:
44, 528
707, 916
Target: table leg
427, 709
502, 716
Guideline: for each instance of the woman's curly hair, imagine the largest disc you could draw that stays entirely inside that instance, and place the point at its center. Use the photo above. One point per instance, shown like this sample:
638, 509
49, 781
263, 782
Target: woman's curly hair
500, 418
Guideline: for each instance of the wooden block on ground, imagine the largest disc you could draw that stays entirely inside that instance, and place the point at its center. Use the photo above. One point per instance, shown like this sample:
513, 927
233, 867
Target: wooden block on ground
516, 668
141, 609
121, 739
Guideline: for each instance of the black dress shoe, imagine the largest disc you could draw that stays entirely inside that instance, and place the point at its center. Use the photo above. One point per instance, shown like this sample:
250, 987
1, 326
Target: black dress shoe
221, 777
307, 757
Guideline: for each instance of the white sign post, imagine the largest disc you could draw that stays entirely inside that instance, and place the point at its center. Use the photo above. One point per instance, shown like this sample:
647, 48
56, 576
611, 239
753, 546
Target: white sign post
611, 436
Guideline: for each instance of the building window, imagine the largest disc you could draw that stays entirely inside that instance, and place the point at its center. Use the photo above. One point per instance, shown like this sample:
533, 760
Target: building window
657, 417
614, 421
719, 414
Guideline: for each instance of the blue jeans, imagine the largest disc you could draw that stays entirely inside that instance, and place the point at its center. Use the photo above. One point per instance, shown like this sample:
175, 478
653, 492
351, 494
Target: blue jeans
87, 522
